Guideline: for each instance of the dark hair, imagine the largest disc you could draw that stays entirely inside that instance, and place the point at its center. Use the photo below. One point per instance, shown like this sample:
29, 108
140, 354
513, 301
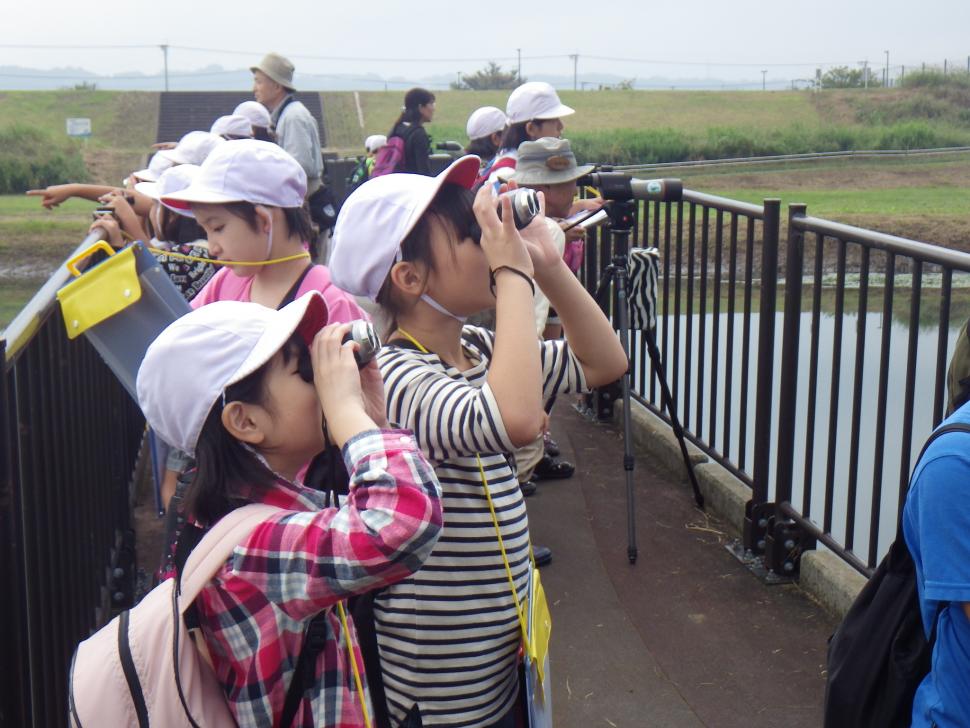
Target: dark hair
263, 134
297, 219
412, 100
178, 229
228, 474
514, 135
483, 147
451, 207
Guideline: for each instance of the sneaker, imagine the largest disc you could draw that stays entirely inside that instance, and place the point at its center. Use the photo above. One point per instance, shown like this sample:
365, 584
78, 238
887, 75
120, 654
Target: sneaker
528, 488
542, 555
550, 469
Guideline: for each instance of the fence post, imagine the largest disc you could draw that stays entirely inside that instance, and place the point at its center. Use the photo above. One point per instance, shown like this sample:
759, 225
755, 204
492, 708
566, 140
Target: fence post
13, 633
756, 517
794, 269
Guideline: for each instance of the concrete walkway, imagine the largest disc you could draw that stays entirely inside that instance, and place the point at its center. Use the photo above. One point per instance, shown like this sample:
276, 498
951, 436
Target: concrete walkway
686, 636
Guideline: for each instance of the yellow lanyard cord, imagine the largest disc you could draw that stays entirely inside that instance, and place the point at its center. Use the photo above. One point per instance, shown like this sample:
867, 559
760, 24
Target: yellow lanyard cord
414, 341
200, 259
519, 611
353, 663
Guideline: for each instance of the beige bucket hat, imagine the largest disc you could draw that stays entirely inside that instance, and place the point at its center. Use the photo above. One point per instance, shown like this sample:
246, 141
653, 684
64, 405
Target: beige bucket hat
278, 68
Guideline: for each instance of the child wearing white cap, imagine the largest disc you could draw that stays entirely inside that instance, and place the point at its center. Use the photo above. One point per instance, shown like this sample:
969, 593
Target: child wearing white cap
484, 128
430, 254
248, 197
534, 111
259, 119
267, 390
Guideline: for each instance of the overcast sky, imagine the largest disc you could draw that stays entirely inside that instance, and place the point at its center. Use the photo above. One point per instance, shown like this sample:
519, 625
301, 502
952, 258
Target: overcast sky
686, 38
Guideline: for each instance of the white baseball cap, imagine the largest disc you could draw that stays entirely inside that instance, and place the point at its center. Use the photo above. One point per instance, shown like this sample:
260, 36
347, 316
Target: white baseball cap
193, 148
374, 142
221, 344
257, 114
376, 219
234, 125
485, 121
245, 170
172, 180
156, 165
535, 100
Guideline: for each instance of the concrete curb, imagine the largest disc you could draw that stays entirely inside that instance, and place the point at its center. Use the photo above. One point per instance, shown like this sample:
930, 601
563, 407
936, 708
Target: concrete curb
829, 580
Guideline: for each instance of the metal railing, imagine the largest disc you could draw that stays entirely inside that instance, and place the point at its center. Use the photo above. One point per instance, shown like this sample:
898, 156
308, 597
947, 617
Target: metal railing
765, 401
69, 435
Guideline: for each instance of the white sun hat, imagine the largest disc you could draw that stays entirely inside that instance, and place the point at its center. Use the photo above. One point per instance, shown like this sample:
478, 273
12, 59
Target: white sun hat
485, 121
245, 170
156, 165
378, 216
234, 125
171, 180
193, 148
374, 142
257, 114
535, 100
221, 344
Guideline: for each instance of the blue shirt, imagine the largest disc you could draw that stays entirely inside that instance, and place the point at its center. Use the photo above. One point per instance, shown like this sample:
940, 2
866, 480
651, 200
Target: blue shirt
936, 525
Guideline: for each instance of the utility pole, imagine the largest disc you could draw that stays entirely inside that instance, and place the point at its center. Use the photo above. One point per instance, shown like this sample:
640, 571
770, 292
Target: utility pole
575, 57
459, 79
886, 84
865, 73
764, 76
165, 57
519, 72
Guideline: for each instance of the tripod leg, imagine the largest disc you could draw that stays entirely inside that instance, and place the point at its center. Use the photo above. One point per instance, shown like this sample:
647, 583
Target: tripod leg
668, 403
628, 459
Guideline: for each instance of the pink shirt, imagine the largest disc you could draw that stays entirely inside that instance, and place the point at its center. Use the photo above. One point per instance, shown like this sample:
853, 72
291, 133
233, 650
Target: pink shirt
227, 286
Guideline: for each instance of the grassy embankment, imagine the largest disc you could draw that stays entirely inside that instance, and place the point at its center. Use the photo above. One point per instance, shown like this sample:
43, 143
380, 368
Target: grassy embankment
924, 198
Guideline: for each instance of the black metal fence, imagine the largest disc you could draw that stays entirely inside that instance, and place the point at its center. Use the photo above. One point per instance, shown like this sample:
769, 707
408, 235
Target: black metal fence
826, 462
69, 435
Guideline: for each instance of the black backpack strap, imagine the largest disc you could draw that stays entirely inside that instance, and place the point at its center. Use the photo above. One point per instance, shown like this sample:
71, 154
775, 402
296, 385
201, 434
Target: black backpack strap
304, 676
952, 427
291, 294
275, 119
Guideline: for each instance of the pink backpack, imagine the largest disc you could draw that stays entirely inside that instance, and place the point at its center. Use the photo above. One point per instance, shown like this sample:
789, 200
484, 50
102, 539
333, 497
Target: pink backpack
143, 667
390, 158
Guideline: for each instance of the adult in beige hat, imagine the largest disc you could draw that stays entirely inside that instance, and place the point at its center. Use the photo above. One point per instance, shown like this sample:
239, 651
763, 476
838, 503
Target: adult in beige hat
295, 128
548, 165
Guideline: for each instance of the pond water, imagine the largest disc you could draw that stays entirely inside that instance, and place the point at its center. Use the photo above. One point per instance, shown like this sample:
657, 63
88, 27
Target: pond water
811, 447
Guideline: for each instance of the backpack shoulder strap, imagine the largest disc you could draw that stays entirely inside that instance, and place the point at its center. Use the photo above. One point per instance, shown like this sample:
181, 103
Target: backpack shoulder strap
217, 546
952, 427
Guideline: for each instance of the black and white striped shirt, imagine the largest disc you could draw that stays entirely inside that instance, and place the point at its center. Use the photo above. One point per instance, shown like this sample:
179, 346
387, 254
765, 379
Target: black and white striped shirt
449, 636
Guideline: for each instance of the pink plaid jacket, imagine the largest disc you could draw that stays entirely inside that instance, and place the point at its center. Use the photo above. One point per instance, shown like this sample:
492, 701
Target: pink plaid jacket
303, 561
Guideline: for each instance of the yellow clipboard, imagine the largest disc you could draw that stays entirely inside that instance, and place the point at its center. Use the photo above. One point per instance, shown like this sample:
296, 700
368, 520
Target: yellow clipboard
100, 293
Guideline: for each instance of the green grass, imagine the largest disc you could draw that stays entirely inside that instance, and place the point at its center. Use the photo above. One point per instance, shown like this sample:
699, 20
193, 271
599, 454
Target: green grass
898, 201
690, 112
14, 294
118, 119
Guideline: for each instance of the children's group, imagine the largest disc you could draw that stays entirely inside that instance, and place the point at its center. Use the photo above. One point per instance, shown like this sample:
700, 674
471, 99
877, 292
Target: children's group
386, 578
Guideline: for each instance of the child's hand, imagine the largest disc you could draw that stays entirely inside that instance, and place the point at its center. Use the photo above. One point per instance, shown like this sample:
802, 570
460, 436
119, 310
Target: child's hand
538, 240
110, 229
52, 196
338, 384
372, 389
501, 242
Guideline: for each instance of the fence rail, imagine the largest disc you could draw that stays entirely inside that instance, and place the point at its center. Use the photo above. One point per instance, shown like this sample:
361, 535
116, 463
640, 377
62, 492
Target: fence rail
804, 157
763, 397
69, 435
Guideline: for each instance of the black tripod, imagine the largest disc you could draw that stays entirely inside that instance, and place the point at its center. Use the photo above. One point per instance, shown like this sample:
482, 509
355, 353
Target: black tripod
621, 224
